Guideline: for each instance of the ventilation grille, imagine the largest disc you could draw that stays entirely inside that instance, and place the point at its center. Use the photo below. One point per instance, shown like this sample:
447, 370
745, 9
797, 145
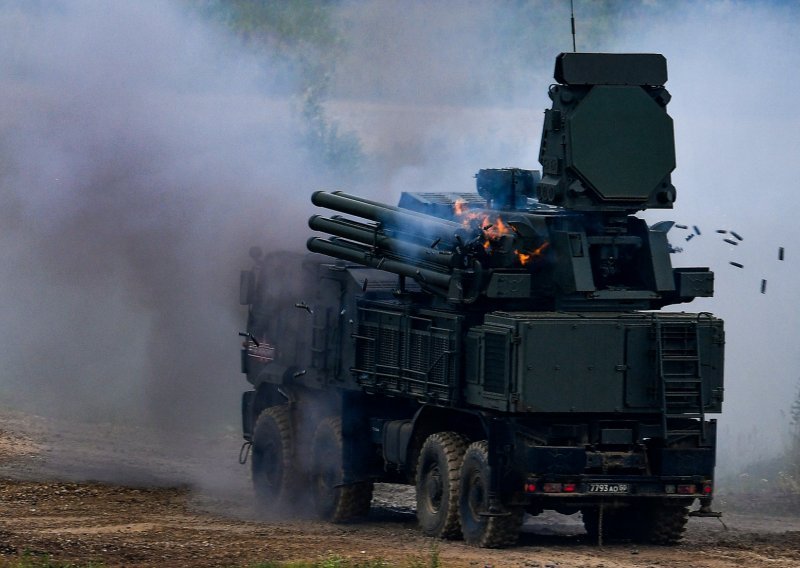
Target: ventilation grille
495, 363
400, 353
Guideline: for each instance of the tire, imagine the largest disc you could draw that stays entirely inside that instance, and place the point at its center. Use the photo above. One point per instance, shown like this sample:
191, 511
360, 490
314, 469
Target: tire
478, 529
272, 467
663, 523
333, 501
438, 469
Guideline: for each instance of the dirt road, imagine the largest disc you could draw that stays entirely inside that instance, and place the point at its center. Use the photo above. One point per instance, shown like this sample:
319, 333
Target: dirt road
154, 506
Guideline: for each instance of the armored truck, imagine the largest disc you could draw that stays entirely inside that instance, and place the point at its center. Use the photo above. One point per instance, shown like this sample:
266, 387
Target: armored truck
504, 351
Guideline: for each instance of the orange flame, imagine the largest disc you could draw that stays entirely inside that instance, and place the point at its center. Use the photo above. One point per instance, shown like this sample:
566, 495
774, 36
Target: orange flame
492, 230
525, 257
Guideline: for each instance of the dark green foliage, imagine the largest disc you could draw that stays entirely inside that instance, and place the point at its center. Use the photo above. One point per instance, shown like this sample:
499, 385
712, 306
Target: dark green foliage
40, 560
290, 23
329, 562
302, 34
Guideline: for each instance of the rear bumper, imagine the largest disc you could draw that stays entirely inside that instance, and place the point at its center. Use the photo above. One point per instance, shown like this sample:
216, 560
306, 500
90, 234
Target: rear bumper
592, 489
541, 461
577, 477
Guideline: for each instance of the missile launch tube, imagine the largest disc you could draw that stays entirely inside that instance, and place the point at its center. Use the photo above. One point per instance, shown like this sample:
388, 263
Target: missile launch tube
370, 235
423, 217
361, 255
390, 216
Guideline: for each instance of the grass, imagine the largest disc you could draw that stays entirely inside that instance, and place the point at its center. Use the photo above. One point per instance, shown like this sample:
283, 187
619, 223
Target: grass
330, 562
38, 560
430, 561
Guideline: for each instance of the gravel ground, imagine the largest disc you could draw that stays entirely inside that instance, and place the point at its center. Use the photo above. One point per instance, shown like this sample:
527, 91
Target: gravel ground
124, 497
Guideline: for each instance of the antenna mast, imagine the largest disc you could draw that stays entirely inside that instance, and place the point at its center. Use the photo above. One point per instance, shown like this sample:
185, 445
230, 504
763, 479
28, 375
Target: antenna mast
572, 21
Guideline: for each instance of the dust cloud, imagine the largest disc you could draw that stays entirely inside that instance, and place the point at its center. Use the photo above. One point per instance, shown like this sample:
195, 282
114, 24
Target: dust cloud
142, 151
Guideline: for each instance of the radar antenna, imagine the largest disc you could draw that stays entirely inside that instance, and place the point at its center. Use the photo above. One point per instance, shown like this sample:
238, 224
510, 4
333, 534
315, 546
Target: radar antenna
572, 21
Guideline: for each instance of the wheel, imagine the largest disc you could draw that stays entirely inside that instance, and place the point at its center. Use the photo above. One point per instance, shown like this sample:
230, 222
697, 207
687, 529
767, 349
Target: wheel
437, 484
272, 467
480, 529
333, 501
663, 523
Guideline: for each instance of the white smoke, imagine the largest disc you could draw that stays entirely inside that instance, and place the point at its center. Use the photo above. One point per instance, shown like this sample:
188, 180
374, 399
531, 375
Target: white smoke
731, 68
142, 151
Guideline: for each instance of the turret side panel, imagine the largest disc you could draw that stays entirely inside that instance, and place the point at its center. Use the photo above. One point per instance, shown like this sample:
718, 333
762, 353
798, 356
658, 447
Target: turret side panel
572, 366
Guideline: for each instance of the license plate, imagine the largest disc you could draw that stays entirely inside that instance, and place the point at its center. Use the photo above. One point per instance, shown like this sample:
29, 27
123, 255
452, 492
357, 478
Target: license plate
609, 487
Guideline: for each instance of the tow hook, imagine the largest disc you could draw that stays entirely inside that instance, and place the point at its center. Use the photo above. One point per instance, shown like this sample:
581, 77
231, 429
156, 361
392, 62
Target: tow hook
705, 512
701, 513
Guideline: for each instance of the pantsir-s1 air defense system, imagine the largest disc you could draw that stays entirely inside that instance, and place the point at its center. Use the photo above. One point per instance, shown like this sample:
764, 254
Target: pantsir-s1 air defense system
502, 351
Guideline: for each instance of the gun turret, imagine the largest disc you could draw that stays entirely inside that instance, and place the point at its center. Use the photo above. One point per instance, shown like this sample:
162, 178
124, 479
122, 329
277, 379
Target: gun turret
564, 240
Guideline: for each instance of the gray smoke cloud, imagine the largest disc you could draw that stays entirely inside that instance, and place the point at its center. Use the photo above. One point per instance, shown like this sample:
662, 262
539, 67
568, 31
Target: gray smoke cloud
142, 151
444, 91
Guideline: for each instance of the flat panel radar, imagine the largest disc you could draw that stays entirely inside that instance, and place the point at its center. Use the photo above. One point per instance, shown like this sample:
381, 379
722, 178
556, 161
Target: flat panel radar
611, 69
608, 143
622, 143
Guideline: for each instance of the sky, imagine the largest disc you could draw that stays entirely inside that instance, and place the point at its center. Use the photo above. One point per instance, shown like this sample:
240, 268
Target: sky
143, 150
732, 75
737, 136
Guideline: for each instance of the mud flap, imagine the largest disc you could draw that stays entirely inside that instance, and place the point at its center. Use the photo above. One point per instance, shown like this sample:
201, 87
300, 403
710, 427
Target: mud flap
355, 438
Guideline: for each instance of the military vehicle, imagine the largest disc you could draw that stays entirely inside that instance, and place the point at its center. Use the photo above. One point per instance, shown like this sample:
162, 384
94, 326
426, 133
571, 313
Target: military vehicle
502, 351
